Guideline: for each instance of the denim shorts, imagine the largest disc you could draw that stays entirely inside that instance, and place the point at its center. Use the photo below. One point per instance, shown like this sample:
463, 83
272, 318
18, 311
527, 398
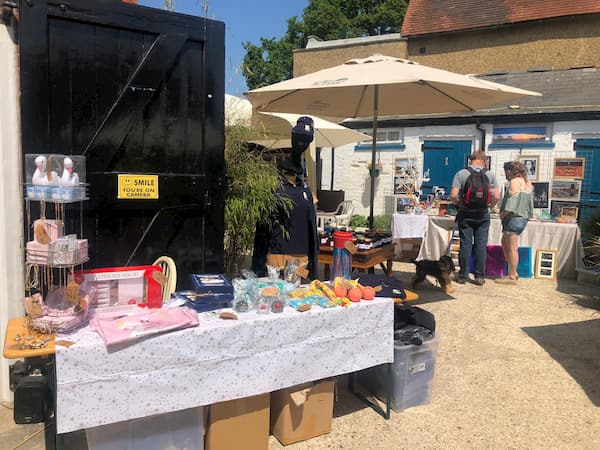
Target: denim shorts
514, 225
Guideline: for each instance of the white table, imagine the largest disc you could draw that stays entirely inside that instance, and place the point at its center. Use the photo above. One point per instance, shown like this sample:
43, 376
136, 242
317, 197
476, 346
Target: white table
218, 360
565, 237
409, 225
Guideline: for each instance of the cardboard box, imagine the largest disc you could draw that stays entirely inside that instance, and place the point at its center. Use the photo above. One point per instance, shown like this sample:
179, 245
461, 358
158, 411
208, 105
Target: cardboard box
237, 424
302, 412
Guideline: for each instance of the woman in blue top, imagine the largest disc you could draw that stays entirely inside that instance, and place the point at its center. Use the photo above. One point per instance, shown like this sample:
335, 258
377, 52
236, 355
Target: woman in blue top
516, 208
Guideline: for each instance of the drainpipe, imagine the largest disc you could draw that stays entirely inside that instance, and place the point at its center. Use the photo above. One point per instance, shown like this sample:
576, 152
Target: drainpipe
478, 126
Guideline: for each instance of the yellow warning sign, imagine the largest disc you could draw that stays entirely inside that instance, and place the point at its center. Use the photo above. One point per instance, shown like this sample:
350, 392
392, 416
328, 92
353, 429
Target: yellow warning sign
137, 187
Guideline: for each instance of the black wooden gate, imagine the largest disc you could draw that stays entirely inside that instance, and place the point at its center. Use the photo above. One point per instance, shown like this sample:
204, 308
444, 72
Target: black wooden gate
137, 91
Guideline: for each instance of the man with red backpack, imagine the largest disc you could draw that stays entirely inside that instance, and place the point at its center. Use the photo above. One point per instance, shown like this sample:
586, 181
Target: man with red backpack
474, 192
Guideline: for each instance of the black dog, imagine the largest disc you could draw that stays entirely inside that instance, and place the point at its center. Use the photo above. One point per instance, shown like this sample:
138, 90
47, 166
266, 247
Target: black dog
441, 270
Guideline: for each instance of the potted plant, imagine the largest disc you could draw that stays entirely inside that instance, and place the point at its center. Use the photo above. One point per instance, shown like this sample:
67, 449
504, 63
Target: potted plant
378, 168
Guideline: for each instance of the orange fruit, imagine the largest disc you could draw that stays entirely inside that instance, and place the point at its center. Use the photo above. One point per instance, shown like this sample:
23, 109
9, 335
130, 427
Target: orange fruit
368, 293
355, 294
340, 291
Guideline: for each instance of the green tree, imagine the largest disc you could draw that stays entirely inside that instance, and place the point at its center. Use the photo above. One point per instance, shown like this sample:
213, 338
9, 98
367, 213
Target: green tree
250, 197
271, 61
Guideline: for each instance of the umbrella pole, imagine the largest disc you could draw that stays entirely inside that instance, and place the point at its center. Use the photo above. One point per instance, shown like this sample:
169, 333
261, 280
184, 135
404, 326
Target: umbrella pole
373, 153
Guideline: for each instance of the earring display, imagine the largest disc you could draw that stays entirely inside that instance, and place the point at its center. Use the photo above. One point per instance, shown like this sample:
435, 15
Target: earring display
52, 302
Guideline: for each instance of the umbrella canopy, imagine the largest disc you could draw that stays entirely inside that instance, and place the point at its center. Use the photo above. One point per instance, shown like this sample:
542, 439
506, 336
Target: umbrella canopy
404, 87
381, 85
274, 129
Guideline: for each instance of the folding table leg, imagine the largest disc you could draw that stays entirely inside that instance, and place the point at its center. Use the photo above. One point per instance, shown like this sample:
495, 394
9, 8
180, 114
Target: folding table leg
373, 404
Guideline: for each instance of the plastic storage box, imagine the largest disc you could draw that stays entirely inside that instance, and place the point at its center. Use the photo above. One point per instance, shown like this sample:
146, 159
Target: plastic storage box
525, 266
176, 430
412, 374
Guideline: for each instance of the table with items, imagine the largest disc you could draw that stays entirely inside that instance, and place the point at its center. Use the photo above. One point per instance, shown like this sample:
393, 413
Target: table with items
564, 237
215, 361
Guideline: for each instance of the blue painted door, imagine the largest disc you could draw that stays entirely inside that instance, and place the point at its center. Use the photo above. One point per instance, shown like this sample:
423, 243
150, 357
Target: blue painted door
443, 159
590, 187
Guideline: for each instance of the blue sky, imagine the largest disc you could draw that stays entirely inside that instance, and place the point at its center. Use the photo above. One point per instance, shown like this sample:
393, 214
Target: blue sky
244, 21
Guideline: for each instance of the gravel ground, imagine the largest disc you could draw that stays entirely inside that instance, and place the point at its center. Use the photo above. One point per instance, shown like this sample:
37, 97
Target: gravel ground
518, 367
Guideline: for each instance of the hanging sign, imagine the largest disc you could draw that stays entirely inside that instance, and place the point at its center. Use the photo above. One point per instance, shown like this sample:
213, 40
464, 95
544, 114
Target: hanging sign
137, 187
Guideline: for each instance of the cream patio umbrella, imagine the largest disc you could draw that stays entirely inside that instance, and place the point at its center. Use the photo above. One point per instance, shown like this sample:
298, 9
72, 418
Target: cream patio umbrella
272, 130
381, 85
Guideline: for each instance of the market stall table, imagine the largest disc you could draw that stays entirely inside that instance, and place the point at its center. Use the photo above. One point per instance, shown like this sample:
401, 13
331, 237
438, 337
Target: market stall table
218, 360
408, 231
362, 260
565, 237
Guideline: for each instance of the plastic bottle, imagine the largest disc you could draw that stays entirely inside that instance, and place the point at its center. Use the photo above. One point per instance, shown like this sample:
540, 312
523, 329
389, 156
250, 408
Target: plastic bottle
342, 259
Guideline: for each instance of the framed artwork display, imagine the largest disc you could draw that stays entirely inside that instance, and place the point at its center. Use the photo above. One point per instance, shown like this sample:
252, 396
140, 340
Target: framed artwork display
545, 263
532, 164
570, 213
520, 134
556, 207
404, 176
565, 190
568, 168
541, 195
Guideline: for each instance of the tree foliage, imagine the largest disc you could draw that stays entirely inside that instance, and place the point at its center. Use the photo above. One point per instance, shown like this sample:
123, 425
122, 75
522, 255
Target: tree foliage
271, 60
250, 197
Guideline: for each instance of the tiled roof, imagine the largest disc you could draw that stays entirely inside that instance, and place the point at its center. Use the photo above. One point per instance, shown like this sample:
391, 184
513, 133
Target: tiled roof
569, 90
438, 16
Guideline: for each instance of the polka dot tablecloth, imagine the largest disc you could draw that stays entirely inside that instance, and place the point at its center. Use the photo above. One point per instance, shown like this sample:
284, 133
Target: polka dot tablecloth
216, 361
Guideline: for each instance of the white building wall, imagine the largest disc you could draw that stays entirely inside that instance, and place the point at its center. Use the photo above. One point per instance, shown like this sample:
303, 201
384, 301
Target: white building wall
351, 174
11, 200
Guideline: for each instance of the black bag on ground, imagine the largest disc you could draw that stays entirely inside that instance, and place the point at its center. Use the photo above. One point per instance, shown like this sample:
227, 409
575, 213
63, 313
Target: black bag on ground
477, 192
405, 315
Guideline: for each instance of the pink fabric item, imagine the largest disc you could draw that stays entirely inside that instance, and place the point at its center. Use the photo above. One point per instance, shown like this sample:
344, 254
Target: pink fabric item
147, 322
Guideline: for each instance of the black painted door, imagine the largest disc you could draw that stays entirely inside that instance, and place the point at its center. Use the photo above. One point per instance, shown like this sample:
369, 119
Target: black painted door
137, 91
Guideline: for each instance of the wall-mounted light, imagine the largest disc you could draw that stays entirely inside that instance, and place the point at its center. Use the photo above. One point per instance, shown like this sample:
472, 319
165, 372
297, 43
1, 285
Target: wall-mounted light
514, 106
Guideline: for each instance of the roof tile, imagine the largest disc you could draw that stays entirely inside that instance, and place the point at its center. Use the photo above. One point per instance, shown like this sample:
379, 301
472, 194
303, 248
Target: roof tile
438, 16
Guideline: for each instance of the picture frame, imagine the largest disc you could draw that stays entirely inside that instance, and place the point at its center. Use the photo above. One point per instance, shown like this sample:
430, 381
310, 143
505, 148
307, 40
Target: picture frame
532, 164
541, 195
404, 176
568, 168
522, 134
557, 206
570, 213
546, 261
401, 204
565, 190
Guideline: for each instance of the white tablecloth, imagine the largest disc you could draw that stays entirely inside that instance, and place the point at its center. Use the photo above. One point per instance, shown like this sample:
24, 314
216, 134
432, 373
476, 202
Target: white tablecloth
565, 237
409, 225
216, 361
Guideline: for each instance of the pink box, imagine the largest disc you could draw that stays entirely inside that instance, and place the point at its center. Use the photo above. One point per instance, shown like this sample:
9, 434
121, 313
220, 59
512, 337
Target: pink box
37, 253
54, 228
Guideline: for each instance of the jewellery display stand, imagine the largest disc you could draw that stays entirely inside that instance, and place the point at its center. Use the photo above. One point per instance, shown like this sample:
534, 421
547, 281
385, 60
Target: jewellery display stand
54, 301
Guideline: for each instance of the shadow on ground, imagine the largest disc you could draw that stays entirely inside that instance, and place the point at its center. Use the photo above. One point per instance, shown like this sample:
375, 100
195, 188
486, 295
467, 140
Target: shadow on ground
581, 293
575, 347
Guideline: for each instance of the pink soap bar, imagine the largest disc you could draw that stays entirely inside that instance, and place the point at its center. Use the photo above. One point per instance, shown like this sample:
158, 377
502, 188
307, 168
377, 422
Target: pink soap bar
37, 253
54, 228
